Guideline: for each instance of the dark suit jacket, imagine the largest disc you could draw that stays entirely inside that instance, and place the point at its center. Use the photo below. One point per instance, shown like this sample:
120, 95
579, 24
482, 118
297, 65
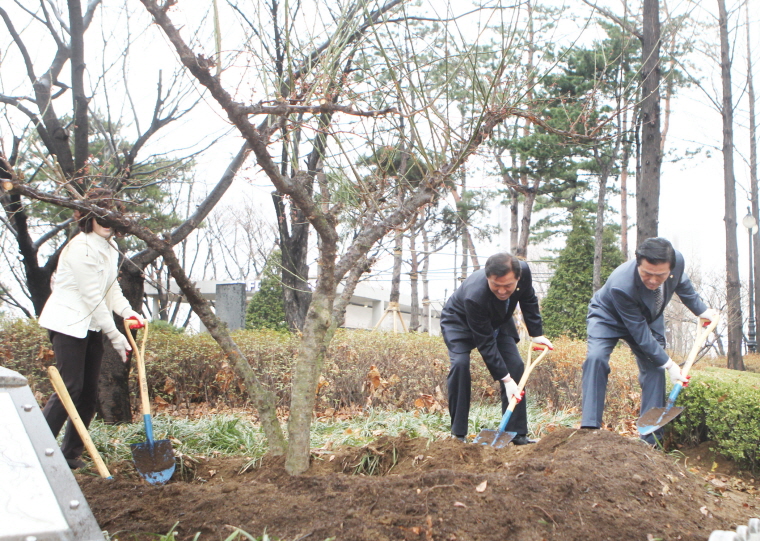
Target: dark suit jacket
473, 313
624, 307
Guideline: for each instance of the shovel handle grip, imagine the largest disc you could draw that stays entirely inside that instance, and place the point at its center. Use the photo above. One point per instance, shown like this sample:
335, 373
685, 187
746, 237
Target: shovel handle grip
704, 329
140, 361
63, 394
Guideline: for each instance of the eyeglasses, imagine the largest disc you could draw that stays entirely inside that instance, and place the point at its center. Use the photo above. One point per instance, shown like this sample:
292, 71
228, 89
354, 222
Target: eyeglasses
101, 222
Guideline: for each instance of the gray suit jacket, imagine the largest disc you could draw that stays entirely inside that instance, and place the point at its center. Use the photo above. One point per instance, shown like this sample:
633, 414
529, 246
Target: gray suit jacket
473, 313
624, 307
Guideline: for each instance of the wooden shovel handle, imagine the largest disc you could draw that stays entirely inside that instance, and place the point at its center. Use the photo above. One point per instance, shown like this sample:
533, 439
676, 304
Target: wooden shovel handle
63, 394
526, 373
531, 365
702, 333
139, 359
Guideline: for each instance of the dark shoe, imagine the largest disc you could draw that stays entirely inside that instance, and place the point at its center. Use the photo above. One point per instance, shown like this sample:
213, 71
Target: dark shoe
522, 439
75, 463
589, 428
460, 438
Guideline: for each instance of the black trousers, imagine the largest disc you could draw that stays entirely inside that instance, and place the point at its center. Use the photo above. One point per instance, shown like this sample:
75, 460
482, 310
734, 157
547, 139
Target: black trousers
78, 360
460, 387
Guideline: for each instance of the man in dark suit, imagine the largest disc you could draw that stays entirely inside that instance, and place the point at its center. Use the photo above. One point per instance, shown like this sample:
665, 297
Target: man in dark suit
479, 315
629, 307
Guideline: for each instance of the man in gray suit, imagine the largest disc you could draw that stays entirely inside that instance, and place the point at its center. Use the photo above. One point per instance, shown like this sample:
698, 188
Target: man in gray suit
479, 315
629, 307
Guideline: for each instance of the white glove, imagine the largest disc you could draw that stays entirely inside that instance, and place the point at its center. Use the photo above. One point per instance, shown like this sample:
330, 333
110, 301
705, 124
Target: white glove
711, 314
511, 388
675, 373
120, 344
542, 340
131, 314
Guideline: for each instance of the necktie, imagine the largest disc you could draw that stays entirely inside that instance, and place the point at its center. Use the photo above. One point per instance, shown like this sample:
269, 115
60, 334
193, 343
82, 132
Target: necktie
657, 300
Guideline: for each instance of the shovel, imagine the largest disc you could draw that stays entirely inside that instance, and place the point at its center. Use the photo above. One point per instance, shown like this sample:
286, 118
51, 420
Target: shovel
154, 460
655, 418
76, 420
499, 438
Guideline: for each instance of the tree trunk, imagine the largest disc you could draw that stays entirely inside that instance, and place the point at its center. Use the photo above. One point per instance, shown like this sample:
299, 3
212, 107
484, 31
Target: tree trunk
393, 307
753, 167
530, 199
733, 286
295, 272
113, 394
624, 186
414, 318
648, 189
311, 356
599, 228
514, 221
425, 280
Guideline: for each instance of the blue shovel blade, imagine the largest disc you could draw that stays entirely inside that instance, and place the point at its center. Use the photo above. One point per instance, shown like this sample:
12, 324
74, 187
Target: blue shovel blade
154, 460
494, 438
656, 418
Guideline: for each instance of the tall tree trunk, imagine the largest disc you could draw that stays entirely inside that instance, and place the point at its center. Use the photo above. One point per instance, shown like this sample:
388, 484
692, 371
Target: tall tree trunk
601, 202
81, 118
530, 193
528, 201
514, 219
464, 233
398, 250
733, 286
753, 165
624, 186
425, 279
648, 188
414, 318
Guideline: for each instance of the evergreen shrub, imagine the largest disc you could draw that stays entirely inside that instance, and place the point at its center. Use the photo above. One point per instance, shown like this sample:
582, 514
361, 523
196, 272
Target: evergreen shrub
722, 405
566, 303
265, 310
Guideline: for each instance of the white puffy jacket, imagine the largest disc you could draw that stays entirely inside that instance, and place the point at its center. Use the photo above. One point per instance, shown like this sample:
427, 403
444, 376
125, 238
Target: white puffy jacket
86, 289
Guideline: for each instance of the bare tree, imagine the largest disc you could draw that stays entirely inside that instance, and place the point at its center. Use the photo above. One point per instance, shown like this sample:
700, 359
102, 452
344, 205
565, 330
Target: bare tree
73, 148
733, 286
386, 213
753, 164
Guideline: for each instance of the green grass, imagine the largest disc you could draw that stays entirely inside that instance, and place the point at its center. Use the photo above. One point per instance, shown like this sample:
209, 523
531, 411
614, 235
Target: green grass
229, 435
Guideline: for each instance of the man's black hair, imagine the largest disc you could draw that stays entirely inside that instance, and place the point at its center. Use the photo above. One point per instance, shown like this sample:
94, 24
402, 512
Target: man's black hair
503, 263
656, 250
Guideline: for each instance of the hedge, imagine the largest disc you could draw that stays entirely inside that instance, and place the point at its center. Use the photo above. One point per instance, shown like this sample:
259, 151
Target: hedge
362, 368
722, 405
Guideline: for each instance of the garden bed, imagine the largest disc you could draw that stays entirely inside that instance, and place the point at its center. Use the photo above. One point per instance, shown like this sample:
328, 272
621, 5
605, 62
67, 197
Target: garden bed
572, 485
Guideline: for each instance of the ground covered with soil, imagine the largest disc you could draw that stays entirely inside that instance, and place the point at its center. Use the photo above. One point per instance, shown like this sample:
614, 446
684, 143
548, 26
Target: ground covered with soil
572, 485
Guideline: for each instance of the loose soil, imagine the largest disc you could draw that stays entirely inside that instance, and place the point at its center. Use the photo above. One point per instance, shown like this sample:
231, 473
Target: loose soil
572, 485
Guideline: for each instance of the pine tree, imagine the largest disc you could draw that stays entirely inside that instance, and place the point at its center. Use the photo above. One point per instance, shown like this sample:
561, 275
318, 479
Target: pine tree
265, 309
566, 303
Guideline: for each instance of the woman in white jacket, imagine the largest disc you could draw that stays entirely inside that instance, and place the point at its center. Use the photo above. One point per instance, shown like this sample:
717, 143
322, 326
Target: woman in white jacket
77, 314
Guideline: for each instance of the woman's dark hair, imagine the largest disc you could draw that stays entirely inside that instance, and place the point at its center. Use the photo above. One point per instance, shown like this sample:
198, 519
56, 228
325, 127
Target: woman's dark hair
503, 263
103, 198
656, 250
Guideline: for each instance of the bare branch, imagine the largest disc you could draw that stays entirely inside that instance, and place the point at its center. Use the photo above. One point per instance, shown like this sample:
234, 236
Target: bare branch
282, 109
617, 20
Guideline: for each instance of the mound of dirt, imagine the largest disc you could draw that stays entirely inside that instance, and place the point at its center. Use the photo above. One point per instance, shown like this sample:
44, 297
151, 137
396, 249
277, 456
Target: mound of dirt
572, 485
